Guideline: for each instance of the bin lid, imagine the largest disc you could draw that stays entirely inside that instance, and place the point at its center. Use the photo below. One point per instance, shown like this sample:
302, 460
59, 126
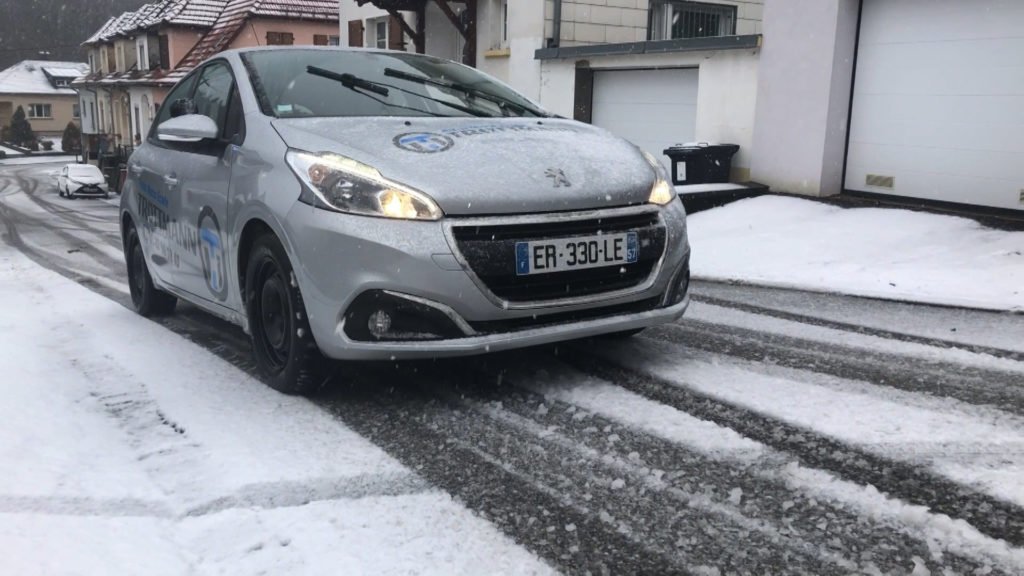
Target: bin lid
702, 146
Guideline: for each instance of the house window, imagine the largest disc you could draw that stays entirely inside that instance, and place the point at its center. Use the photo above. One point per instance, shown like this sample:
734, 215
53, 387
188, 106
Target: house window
380, 34
142, 49
40, 111
504, 22
61, 82
92, 62
280, 39
672, 19
334, 40
76, 111
165, 53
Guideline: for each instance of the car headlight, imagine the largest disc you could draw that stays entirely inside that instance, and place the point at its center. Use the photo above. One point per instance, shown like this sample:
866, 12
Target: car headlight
662, 192
356, 188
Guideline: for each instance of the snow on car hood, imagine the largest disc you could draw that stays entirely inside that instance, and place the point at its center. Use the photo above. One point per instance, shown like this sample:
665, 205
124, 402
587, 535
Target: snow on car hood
475, 166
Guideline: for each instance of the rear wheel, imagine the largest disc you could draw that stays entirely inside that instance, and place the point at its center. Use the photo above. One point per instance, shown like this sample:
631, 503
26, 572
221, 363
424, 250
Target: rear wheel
147, 299
286, 354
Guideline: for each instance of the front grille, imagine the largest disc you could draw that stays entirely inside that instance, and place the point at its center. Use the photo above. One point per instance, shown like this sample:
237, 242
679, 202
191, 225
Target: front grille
490, 252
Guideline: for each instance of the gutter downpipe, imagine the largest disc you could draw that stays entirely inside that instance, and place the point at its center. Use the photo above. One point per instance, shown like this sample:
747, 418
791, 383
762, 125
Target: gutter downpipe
556, 26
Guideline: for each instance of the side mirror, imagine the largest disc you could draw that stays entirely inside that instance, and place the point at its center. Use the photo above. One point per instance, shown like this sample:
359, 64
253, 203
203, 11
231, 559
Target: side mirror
188, 128
183, 107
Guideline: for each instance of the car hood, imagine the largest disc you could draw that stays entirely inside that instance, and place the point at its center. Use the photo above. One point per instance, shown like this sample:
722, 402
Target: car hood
477, 166
87, 179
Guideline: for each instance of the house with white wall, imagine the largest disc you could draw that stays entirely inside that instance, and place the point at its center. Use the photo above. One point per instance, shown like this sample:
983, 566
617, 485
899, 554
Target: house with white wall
919, 100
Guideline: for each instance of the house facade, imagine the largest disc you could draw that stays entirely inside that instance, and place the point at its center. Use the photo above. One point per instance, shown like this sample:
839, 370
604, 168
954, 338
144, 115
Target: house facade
915, 99
43, 90
137, 57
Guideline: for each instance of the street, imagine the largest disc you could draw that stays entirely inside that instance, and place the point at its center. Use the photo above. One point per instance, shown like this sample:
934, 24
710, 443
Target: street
769, 431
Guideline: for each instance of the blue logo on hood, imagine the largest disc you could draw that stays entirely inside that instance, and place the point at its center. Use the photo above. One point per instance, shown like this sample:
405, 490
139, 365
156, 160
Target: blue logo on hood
424, 142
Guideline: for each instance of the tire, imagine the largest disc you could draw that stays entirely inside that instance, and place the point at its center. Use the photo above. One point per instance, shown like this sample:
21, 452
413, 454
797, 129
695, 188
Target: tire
147, 299
286, 354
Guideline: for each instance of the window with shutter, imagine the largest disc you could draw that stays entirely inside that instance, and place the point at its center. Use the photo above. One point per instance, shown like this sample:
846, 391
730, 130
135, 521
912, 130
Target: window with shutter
165, 53
280, 39
396, 36
320, 40
355, 33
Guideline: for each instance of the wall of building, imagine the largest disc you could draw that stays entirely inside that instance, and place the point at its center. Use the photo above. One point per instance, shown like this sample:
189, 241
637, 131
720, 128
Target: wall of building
804, 97
180, 41
61, 109
726, 96
90, 111
255, 33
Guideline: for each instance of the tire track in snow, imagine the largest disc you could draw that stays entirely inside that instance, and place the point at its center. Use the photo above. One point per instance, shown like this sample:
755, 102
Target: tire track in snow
858, 329
469, 459
973, 385
751, 489
991, 516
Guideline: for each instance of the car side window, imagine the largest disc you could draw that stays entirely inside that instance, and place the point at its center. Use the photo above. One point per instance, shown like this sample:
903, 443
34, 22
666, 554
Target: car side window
182, 91
213, 94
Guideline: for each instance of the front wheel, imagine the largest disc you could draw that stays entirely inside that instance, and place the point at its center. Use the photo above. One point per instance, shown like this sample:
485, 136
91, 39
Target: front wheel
147, 299
286, 354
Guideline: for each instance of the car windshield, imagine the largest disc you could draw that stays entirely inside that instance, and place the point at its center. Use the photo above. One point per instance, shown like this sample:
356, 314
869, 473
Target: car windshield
317, 83
84, 171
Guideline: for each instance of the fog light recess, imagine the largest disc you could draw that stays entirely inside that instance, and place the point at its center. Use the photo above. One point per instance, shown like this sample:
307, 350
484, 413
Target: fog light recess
381, 316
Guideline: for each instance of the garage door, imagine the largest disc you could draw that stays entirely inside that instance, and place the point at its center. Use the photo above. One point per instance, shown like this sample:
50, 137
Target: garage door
653, 109
938, 105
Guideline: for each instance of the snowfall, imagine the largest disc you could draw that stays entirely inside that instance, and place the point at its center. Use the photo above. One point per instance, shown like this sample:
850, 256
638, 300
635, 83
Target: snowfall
121, 456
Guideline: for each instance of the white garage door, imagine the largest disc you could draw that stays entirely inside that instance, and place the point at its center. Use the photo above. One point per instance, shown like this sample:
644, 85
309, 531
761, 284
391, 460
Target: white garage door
938, 105
653, 109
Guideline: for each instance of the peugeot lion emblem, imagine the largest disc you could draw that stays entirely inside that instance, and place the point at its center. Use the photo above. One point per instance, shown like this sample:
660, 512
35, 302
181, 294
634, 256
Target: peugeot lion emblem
558, 177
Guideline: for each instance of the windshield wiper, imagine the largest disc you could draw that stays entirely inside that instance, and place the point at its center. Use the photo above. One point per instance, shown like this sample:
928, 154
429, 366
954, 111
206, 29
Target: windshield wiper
348, 80
501, 101
353, 82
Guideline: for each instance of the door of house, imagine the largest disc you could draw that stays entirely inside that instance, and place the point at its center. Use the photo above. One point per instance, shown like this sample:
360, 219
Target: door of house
653, 109
938, 102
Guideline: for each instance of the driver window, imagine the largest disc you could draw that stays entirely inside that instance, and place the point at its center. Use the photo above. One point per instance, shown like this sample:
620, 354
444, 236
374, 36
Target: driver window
182, 91
213, 93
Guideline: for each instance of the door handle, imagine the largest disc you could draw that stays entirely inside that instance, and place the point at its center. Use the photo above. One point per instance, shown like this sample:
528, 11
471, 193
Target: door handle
170, 181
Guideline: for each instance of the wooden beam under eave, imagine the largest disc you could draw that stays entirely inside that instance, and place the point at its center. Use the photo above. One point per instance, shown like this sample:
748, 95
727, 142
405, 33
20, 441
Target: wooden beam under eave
469, 54
452, 16
421, 29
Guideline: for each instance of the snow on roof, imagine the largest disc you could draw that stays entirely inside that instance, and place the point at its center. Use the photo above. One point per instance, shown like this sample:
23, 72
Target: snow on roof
29, 77
202, 13
62, 72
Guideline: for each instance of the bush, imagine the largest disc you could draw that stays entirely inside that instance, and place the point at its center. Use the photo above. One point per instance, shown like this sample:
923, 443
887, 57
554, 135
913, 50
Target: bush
71, 141
48, 145
21, 130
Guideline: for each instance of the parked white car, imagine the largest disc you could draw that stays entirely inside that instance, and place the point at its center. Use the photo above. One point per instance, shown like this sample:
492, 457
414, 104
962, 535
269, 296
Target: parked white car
76, 180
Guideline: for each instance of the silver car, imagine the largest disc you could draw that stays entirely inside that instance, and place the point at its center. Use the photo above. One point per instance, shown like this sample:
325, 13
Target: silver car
374, 205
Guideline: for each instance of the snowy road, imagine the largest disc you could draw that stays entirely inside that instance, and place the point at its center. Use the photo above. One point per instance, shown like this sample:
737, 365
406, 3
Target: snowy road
771, 431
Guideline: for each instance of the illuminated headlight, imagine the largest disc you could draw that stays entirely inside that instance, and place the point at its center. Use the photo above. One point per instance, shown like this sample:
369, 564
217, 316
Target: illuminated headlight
349, 186
662, 192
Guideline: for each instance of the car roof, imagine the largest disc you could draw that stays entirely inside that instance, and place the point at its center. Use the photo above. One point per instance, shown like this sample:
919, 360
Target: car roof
348, 49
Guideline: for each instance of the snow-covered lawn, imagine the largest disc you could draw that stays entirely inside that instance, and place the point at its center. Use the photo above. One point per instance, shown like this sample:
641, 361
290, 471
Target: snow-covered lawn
31, 159
126, 449
875, 252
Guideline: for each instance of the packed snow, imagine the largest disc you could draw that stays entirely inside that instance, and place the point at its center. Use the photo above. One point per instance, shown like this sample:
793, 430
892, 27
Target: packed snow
126, 448
874, 252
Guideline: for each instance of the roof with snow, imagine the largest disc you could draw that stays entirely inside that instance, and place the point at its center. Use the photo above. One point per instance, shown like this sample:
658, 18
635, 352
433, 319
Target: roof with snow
230, 17
39, 76
198, 13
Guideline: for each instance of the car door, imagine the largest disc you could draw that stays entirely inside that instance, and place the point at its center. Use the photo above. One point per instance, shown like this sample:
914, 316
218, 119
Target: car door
202, 178
157, 205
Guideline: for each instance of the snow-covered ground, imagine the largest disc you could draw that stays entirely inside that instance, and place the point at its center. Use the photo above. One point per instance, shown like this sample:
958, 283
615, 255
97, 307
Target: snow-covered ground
875, 252
127, 449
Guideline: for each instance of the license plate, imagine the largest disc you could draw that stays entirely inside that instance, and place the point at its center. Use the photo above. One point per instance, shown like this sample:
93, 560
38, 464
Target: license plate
564, 254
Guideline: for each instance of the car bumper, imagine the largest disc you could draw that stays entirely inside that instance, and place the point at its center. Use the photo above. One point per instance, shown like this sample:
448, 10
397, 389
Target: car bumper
89, 192
341, 257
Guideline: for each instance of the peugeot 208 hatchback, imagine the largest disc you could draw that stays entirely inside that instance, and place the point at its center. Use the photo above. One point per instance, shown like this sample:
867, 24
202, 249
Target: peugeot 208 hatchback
361, 204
